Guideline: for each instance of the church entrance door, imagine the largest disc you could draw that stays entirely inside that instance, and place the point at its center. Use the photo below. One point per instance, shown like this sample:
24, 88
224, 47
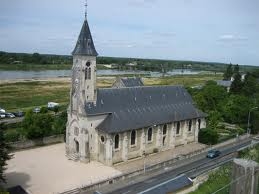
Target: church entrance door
77, 146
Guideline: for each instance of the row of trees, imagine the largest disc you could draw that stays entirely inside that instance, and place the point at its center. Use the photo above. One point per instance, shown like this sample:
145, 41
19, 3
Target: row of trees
232, 107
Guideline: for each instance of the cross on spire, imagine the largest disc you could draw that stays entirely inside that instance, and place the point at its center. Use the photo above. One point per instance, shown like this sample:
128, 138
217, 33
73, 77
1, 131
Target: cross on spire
86, 9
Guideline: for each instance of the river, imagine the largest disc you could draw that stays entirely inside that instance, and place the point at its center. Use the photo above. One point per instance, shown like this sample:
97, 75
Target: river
9, 75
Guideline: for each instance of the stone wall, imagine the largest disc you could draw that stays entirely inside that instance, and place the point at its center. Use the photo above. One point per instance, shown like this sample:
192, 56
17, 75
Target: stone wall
37, 142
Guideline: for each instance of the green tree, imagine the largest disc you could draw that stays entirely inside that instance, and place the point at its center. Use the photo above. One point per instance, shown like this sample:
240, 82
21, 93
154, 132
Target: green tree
228, 73
210, 97
236, 69
237, 85
249, 85
213, 119
255, 122
37, 125
4, 153
59, 126
236, 108
208, 136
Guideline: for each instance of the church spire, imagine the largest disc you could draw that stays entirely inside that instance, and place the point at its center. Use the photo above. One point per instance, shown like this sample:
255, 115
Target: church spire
85, 45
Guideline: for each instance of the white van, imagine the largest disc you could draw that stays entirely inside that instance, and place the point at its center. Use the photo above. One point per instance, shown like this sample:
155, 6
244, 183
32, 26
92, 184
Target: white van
52, 104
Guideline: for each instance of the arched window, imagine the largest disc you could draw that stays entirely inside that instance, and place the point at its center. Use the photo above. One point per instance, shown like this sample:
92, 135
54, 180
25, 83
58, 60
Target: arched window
190, 125
178, 128
164, 129
133, 138
87, 70
149, 134
116, 141
89, 73
199, 124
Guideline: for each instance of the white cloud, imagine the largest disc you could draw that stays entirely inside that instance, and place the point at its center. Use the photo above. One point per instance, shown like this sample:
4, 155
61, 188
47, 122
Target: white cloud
232, 38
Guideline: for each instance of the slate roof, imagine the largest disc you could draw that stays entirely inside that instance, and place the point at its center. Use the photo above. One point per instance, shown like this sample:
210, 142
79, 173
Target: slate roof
85, 44
132, 82
129, 82
138, 107
173, 185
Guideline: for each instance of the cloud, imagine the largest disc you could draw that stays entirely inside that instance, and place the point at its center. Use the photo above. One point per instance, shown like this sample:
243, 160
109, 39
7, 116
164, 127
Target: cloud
232, 38
141, 2
116, 44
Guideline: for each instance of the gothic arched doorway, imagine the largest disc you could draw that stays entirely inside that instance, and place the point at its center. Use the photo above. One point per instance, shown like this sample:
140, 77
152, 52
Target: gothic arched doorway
76, 146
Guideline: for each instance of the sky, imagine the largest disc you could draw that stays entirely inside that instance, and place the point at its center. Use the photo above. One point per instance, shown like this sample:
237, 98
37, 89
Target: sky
202, 30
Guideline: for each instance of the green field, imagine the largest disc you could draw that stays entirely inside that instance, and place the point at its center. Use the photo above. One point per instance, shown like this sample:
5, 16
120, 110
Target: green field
24, 95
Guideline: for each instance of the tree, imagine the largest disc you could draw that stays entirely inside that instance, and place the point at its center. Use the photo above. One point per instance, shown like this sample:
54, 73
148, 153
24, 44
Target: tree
255, 122
213, 119
210, 97
228, 73
208, 136
37, 125
249, 85
236, 69
4, 153
237, 84
236, 108
59, 126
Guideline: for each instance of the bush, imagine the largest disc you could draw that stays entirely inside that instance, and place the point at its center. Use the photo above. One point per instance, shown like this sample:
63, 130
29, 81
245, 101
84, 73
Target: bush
12, 135
37, 125
44, 110
208, 136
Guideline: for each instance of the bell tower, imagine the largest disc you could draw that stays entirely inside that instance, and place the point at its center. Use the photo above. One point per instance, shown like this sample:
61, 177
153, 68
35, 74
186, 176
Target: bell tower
84, 70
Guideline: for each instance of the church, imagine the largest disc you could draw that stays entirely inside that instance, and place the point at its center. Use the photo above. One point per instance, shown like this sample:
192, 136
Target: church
128, 120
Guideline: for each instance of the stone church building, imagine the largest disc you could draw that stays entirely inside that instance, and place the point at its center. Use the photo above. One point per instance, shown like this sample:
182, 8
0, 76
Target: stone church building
127, 121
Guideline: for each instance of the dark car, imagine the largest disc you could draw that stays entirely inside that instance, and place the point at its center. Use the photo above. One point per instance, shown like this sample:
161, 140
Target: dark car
213, 153
19, 114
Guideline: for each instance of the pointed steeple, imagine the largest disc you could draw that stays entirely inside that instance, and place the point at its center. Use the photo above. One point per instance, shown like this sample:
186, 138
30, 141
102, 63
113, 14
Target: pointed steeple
85, 45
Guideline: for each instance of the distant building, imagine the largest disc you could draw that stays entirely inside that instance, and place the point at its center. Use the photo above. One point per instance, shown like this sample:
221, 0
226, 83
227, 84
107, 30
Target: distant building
127, 82
224, 83
118, 124
111, 66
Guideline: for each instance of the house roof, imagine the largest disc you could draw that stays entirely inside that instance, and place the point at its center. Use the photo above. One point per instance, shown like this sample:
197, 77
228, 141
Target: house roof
129, 82
224, 83
85, 44
138, 107
132, 82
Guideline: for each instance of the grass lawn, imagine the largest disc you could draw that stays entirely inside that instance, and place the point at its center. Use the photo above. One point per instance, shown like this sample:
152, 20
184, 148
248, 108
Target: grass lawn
29, 94
185, 80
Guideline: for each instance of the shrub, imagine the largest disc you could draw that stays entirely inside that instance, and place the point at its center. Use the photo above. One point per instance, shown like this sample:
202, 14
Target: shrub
12, 135
208, 136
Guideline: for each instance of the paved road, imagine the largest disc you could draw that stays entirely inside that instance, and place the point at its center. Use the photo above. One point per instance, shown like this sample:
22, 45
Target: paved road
12, 120
197, 165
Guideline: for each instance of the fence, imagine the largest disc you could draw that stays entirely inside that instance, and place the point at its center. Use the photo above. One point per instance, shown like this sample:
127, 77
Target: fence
37, 142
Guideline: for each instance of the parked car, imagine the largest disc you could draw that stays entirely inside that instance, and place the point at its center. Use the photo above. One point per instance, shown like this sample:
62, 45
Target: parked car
213, 153
2, 115
19, 114
52, 105
36, 110
9, 115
